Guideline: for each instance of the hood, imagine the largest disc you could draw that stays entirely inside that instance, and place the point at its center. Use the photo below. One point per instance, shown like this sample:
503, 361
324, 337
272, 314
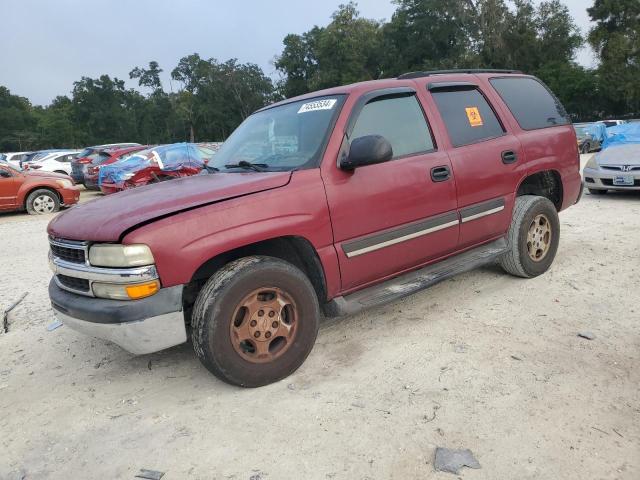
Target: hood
37, 173
106, 219
620, 155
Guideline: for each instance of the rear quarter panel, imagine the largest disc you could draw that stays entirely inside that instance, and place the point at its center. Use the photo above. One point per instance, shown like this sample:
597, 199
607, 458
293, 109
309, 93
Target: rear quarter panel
181, 243
551, 148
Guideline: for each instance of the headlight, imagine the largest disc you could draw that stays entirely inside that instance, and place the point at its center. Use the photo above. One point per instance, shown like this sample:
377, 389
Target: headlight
592, 163
115, 255
127, 176
125, 292
64, 183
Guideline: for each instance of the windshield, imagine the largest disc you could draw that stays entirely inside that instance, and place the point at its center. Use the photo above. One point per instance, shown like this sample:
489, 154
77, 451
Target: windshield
288, 137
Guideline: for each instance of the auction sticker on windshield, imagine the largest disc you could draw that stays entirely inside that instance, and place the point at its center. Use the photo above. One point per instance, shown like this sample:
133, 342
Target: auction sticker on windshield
318, 105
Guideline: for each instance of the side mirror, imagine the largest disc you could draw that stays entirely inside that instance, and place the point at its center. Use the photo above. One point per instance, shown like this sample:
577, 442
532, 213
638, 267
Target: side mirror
367, 150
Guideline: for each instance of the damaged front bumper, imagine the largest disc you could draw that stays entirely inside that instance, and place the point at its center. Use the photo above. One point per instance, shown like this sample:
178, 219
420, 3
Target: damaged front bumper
138, 326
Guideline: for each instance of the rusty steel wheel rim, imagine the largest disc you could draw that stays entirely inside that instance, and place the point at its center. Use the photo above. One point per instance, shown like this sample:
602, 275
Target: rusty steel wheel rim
264, 325
539, 238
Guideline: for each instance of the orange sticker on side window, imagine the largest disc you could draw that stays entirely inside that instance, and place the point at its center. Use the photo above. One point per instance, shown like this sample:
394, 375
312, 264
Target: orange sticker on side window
475, 120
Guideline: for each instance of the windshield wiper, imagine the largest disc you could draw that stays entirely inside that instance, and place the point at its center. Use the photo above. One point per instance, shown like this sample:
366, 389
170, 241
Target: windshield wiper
258, 167
211, 169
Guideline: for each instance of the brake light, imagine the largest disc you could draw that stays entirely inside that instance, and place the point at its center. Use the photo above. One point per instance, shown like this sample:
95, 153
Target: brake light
83, 160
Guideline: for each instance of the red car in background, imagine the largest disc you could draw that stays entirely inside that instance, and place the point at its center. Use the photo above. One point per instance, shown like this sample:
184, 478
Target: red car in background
80, 164
154, 165
36, 192
107, 157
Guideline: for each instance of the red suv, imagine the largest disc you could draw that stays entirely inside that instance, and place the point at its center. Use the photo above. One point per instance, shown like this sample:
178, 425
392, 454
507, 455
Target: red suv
330, 202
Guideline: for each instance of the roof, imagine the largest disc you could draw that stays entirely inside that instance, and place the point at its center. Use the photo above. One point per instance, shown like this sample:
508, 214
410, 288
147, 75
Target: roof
405, 80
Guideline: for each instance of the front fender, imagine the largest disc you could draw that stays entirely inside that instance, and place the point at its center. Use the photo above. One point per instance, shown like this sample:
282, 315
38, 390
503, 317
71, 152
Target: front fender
183, 242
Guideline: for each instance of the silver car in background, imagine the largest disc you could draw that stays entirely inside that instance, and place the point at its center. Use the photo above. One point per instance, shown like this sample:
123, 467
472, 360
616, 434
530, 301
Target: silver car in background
615, 168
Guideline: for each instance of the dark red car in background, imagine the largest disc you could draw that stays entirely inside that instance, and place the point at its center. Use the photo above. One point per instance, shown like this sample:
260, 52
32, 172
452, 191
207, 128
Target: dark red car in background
107, 157
80, 164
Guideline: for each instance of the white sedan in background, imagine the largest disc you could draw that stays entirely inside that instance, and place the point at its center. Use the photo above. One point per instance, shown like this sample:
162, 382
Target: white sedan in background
14, 158
58, 162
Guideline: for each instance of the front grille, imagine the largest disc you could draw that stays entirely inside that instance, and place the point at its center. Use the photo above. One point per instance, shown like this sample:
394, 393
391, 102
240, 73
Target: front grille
621, 168
78, 284
74, 255
609, 182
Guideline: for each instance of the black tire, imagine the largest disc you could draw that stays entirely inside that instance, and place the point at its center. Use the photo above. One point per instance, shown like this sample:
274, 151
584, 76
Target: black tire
594, 191
214, 309
586, 148
517, 260
41, 202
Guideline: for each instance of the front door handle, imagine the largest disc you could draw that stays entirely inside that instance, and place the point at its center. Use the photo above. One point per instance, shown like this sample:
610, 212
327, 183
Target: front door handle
509, 156
440, 174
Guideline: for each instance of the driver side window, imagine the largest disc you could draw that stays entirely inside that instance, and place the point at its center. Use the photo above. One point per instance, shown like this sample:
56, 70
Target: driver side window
398, 119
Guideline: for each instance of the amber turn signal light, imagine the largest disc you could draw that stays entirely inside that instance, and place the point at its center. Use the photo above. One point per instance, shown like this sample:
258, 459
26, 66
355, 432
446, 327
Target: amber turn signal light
143, 290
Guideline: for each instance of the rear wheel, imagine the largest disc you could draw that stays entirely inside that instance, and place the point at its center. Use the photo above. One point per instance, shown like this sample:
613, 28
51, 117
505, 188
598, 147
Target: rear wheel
586, 148
255, 321
594, 191
40, 202
533, 237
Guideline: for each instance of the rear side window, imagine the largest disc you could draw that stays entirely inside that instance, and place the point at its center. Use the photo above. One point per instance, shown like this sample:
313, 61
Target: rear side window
398, 119
531, 102
467, 115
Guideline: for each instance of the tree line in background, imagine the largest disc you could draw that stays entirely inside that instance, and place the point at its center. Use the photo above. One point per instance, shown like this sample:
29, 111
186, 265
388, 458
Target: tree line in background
214, 97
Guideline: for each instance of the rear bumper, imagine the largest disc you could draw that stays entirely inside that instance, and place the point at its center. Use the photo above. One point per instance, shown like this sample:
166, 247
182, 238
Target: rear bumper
138, 326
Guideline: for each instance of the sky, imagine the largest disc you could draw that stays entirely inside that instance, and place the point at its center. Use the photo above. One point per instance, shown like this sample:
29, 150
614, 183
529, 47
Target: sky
48, 44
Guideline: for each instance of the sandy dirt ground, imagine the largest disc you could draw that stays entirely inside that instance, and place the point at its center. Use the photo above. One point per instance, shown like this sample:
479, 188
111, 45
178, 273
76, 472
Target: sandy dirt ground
483, 361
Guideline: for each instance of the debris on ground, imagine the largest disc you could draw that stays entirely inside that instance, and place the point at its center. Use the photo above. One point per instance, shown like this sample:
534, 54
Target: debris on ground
150, 474
52, 326
451, 460
5, 316
586, 335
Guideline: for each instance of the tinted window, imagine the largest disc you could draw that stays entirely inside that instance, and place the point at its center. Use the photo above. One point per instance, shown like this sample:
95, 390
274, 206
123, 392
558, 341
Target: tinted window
400, 120
532, 103
468, 116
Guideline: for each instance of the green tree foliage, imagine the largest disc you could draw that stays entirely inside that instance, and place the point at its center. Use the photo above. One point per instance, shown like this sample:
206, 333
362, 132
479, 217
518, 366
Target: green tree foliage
345, 51
430, 34
616, 40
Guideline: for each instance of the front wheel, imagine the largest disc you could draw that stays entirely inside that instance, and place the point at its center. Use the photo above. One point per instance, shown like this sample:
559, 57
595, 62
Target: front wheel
533, 237
42, 202
255, 321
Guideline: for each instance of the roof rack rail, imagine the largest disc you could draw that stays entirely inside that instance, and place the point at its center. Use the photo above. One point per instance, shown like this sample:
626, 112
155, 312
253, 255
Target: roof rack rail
410, 75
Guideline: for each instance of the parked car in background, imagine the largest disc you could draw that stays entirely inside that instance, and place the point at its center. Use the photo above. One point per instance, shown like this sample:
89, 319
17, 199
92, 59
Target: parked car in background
588, 141
154, 165
107, 157
613, 123
36, 192
80, 164
617, 166
14, 158
57, 162
38, 154
334, 201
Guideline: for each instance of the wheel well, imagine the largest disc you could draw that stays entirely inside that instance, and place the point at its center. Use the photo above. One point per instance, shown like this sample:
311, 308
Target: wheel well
295, 250
61, 172
53, 190
545, 184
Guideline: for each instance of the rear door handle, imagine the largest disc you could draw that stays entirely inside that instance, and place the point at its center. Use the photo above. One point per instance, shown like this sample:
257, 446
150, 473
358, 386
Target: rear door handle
509, 156
440, 174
